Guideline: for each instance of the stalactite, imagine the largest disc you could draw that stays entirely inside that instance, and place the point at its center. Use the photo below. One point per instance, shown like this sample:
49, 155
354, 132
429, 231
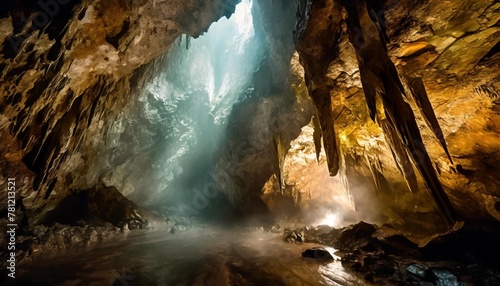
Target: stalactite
403, 162
327, 16
375, 172
317, 136
322, 100
188, 41
383, 78
379, 165
419, 95
346, 172
280, 150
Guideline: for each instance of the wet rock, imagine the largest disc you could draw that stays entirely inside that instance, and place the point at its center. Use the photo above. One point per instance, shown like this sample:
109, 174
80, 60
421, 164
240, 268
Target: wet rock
92, 237
275, 228
109, 226
146, 225
323, 229
175, 223
355, 236
179, 227
384, 256
418, 271
178, 220
445, 278
134, 224
301, 236
40, 230
318, 253
322, 234
124, 227
295, 236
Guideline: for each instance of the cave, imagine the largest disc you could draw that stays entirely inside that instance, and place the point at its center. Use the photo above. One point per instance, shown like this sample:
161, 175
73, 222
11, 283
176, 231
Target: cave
250, 142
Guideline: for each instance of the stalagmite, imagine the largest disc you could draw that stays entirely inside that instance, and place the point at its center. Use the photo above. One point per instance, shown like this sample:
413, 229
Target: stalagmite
420, 97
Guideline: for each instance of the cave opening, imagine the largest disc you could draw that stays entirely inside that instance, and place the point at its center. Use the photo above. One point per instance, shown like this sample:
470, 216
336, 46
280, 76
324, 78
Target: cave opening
190, 101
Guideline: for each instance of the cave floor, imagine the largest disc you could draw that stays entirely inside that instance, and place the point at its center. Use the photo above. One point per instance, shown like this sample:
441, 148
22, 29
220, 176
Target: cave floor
200, 256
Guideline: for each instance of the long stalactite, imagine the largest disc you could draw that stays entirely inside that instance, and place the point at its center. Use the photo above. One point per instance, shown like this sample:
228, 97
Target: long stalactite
419, 95
315, 62
380, 79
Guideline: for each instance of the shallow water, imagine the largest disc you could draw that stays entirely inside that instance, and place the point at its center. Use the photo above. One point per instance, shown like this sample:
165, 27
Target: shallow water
206, 256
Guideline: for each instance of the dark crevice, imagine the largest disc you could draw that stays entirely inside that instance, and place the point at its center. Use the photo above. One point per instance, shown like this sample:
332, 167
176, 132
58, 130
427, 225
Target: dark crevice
115, 40
81, 15
20, 11
3, 65
29, 47
54, 51
45, 16
69, 210
60, 19
4, 11
493, 51
30, 63
12, 45
40, 116
19, 119
93, 108
37, 91
15, 98
50, 189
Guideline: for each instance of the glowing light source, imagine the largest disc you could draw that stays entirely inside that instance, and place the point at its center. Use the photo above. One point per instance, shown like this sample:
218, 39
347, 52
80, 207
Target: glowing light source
332, 219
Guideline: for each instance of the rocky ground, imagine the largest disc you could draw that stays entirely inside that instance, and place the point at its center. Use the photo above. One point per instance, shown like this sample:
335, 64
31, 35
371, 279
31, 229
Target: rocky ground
41, 241
465, 255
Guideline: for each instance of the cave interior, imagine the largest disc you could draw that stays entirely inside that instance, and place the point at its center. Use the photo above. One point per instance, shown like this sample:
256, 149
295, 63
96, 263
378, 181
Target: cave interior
250, 142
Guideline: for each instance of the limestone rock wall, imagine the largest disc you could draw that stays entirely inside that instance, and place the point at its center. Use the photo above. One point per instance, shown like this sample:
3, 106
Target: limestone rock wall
69, 68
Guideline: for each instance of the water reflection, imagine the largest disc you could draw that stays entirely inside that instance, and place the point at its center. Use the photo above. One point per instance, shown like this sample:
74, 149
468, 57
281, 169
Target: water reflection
204, 256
